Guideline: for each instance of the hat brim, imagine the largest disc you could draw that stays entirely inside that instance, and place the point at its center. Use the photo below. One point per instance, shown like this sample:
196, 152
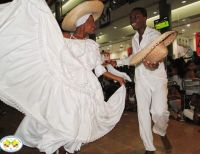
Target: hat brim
95, 7
155, 51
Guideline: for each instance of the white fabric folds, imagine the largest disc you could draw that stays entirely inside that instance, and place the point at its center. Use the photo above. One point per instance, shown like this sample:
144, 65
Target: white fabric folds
82, 20
50, 79
112, 70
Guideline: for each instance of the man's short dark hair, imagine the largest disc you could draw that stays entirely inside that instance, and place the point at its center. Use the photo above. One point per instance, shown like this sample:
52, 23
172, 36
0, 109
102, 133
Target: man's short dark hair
141, 9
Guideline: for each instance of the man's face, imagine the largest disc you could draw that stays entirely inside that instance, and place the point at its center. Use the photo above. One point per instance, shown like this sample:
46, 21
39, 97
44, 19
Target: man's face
137, 20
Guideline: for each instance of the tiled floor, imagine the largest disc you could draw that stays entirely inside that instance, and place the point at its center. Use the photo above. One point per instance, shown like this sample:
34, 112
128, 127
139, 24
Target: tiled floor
123, 139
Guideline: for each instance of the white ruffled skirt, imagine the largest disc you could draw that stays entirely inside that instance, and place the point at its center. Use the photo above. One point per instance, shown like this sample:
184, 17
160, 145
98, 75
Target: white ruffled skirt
38, 79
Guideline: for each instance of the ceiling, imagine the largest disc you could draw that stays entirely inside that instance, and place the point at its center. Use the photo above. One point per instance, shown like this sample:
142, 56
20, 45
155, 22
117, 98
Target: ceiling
116, 36
185, 19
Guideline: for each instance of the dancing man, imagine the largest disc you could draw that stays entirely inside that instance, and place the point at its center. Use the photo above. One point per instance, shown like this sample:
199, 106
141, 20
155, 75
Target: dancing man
150, 84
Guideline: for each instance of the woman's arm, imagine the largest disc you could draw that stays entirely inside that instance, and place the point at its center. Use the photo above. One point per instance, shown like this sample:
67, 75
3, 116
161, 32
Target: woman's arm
114, 77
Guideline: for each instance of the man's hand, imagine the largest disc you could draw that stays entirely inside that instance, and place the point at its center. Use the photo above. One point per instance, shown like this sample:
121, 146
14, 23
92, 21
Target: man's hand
150, 65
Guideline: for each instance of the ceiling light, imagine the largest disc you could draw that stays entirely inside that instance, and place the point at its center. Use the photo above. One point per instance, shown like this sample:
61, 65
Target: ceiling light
183, 30
114, 2
183, 2
115, 27
188, 25
155, 12
183, 20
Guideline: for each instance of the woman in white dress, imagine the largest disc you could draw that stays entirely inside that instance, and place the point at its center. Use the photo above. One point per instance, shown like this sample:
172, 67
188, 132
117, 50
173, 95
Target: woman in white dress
50, 79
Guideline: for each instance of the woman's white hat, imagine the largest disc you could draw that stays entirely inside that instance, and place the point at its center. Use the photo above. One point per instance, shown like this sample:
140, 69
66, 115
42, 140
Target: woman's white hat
93, 7
155, 51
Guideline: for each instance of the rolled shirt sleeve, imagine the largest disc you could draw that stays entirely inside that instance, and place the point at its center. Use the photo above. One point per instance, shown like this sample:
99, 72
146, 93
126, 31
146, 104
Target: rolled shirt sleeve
99, 70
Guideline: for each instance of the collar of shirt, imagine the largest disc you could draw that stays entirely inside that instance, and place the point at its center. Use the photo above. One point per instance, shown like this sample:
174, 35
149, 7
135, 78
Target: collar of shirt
136, 36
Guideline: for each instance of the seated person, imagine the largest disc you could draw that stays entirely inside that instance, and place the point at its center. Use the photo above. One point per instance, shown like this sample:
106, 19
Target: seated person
175, 102
191, 65
190, 83
131, 104
190, 72
193, 113
173, 76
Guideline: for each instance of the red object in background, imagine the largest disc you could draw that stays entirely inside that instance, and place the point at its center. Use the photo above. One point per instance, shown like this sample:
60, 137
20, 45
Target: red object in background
129, 50
197, 36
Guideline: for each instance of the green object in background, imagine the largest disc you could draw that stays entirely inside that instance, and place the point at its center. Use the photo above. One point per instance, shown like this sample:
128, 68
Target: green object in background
162, 24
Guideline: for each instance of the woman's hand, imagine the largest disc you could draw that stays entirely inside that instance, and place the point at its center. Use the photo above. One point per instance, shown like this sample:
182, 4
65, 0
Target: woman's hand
121, 81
